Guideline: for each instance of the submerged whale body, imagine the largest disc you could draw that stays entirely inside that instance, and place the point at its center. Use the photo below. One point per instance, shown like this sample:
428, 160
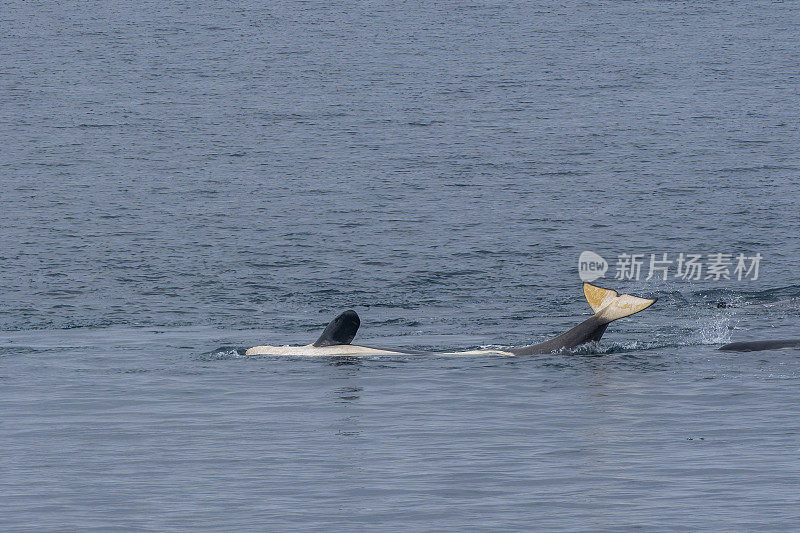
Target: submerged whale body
607, 305
754, 346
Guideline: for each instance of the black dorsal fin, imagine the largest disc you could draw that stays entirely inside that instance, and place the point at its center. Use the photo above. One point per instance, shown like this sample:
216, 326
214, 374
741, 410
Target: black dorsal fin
340, 330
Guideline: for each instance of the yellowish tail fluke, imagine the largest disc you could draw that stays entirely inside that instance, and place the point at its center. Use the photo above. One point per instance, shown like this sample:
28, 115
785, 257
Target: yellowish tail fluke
597, 296
609, 306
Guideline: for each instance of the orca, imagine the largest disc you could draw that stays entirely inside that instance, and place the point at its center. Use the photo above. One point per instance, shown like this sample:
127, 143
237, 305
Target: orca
754, 346
607, 305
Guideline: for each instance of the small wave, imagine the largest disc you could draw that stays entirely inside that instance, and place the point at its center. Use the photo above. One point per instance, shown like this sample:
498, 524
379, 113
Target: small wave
20, 350
790, 303
223, 353
780, 298
744, 297
597, 349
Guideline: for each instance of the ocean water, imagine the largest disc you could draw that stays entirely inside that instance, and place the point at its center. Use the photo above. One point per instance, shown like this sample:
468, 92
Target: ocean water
181, 181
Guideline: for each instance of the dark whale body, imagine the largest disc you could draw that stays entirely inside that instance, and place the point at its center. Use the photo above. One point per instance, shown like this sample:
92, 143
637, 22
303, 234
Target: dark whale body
754, 346
590, 330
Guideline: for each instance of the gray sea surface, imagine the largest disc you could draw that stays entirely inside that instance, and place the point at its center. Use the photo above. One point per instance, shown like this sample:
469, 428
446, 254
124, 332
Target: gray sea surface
180, 181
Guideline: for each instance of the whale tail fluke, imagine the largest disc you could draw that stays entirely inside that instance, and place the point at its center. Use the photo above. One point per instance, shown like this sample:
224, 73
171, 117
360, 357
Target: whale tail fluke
608, 305
597, 296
